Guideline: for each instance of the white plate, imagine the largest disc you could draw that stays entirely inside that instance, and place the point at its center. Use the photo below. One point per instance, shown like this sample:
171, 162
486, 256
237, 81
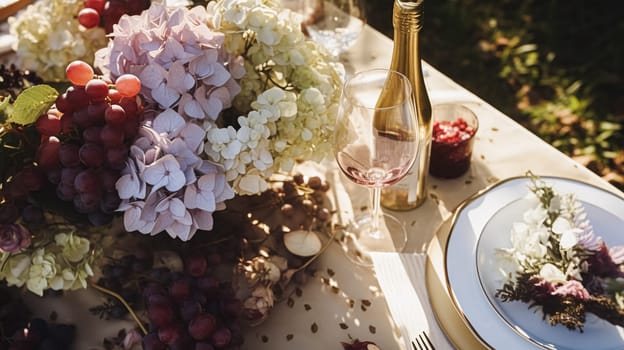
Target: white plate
512, 325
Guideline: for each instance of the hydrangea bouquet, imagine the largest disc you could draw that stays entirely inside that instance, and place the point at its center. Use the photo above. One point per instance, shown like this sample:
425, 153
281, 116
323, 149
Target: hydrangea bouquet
236, 93
557, 263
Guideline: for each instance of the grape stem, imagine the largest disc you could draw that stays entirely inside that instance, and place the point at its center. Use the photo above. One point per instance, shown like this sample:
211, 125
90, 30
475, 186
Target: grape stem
123, 302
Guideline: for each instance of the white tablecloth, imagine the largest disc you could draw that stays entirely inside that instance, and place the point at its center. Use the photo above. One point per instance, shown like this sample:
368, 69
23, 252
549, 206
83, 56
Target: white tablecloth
350, 304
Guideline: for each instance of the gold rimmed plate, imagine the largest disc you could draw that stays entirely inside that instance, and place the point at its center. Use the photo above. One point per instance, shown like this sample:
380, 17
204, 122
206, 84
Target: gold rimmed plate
462, 264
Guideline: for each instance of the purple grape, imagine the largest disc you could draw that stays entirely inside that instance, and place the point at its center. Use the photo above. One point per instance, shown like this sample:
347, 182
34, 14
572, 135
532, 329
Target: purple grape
180, 289
159, 310
65, 192
87, 181
92, 155
202, 326
196, 265
96, 112
189, 309
169, 334
221, 338
68, 155
151, 342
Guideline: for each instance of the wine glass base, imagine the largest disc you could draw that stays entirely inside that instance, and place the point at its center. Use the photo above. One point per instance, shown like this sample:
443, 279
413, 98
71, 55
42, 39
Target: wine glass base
357, 242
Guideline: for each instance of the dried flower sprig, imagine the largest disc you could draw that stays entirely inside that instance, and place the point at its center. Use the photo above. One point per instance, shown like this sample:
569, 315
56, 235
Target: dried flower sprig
559, 265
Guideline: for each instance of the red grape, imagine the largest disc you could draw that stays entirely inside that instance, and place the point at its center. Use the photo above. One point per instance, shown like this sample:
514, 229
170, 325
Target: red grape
159, 310
114, 96
151, 342
67, 123
68, 175
48, 153
115, 115
81, 118
180, 289
92, 134
92, 155
202, 326
79, 73
221, 337
62, 103
113, 10
189, 308
128, 85
77, 96
88, 17
48, 125
97, 90
169, 334
87, 181
196, 265
97, 5
111, 136
68, 155
116, 157
96, 111
129, 104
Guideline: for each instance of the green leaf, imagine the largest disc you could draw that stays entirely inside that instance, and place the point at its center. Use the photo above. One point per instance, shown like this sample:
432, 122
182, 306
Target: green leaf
32, 103
5, 109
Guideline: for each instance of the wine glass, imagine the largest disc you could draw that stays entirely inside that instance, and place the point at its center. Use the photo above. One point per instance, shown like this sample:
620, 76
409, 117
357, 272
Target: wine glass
334, 24
375, 144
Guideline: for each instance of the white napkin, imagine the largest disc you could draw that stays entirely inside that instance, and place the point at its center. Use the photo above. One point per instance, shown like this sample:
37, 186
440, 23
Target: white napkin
401, 277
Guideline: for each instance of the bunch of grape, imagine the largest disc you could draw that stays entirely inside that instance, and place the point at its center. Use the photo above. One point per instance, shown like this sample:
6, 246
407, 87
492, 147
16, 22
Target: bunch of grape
186, 309
86, 138
106, 13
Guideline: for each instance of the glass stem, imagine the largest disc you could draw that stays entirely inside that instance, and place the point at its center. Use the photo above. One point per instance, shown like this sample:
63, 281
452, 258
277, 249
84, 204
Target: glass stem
376, 215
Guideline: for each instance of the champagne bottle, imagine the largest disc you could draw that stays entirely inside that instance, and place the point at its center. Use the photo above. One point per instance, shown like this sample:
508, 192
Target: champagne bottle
410, 192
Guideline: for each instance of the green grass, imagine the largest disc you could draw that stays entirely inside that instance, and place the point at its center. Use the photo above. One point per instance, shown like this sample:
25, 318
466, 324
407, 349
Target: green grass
557, 67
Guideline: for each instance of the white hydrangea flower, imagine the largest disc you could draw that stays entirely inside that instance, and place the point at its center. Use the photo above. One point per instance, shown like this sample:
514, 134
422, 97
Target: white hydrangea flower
75, 248
48, 39
16, 269
281, 124
43, 273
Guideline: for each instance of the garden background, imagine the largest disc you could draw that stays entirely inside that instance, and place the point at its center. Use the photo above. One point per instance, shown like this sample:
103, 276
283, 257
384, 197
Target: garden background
556, 67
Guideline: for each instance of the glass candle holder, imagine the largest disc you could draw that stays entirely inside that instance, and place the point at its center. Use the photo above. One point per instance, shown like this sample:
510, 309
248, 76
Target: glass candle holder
454, 128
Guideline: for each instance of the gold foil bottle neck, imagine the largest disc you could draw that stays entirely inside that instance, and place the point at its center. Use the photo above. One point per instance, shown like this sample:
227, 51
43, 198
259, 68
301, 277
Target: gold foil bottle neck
407, 15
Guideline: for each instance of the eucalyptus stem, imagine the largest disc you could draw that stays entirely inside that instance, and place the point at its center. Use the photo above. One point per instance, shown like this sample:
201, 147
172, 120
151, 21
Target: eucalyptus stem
123, 302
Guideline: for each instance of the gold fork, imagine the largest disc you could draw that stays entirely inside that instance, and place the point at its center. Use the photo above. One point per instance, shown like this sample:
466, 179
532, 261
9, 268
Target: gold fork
423, 342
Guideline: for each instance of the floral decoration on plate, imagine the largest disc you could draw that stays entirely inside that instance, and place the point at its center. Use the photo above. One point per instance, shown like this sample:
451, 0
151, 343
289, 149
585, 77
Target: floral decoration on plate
558, 264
